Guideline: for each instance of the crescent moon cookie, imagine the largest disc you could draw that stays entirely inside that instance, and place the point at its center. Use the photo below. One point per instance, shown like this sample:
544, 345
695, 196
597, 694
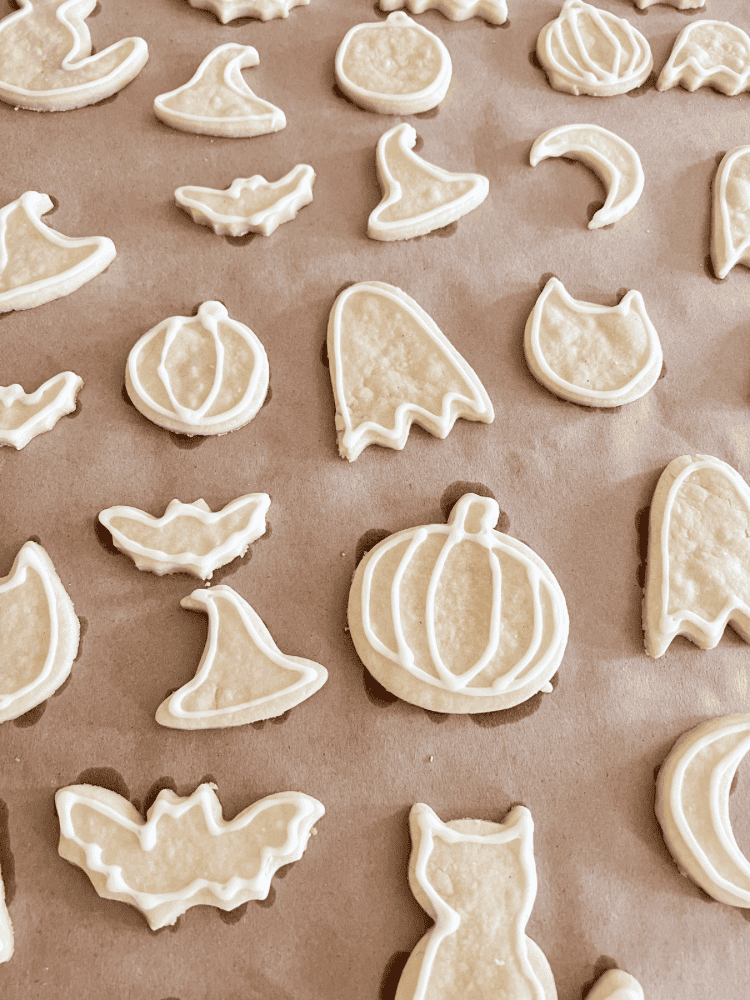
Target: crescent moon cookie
38, 264
198, 375
590, 51
494, 11
264, 10
249, 204
243, 676
185, 853
391, 366
39, 633
458, 617
46, 62
590, 354
692, 806
698, 574
708, 54
730, 237
6, 927
613, 160
217, 101
418, 196
25, 415
393, 67
188, 537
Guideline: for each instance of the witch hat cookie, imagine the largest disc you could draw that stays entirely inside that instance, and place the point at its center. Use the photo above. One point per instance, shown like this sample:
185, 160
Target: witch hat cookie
38, 264
264, 10
418, 196
24, 415
390, 367
217, 101
243, 676
46, 62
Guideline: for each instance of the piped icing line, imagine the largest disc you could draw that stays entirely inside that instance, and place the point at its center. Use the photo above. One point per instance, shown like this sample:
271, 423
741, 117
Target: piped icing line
725, 252
33, 24
229, 59
196, 201
235, 543
14, 401
6, 927
163, 907
62, 631
574, 70
692, 806
701, 56
54, 285
493, 11
610, 157
310, 675
264, 10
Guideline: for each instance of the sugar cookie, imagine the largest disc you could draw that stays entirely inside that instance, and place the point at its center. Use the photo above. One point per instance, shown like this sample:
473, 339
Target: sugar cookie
188, 537
46, 62
393, 67
708, 54
679, 4
418, 196
264, 10
590, 51
391, 366
692, 806
615, 984
590, 354
730, 237
217, 101
39, 632
25, 415
243, 676
494, 11
205, 374
613, 160
698, 574
185, 854
458, 617
6, 927
250, 204
38, 264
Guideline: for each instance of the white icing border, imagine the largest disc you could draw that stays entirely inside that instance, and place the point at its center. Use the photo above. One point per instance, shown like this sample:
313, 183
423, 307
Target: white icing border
44, 419
691, 75
724, 255
493, 11
264, 10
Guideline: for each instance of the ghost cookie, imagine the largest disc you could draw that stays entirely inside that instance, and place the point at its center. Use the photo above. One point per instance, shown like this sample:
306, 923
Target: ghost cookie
708, 54
391, 366
46, 62
243, 676
39, 632
418, 197
698, 574
458, 617
264, 10
38, 264
590, 354
188, 537
25, 415
590, 51
185, 853
730, 236
217, 101
249, 205
493, 11
393, 67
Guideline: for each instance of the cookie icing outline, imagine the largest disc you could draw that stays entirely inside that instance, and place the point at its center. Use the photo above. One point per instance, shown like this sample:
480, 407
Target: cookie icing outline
46, 418
641, 383
263, 220
272, 119
353, 440
54, 286
724, 254
710, 856
265, 10
182, 419
622, 192
71, 14
7, 945
311, 675
156, 561
582, 75
163, 909
434, 218
691, 75
493, 11
64, 631
384, 103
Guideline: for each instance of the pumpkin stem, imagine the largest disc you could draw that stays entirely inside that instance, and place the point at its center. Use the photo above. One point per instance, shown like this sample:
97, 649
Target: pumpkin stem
474, 514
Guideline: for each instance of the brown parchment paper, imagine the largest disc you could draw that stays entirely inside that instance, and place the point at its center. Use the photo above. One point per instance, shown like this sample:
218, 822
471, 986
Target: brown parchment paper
574, 483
